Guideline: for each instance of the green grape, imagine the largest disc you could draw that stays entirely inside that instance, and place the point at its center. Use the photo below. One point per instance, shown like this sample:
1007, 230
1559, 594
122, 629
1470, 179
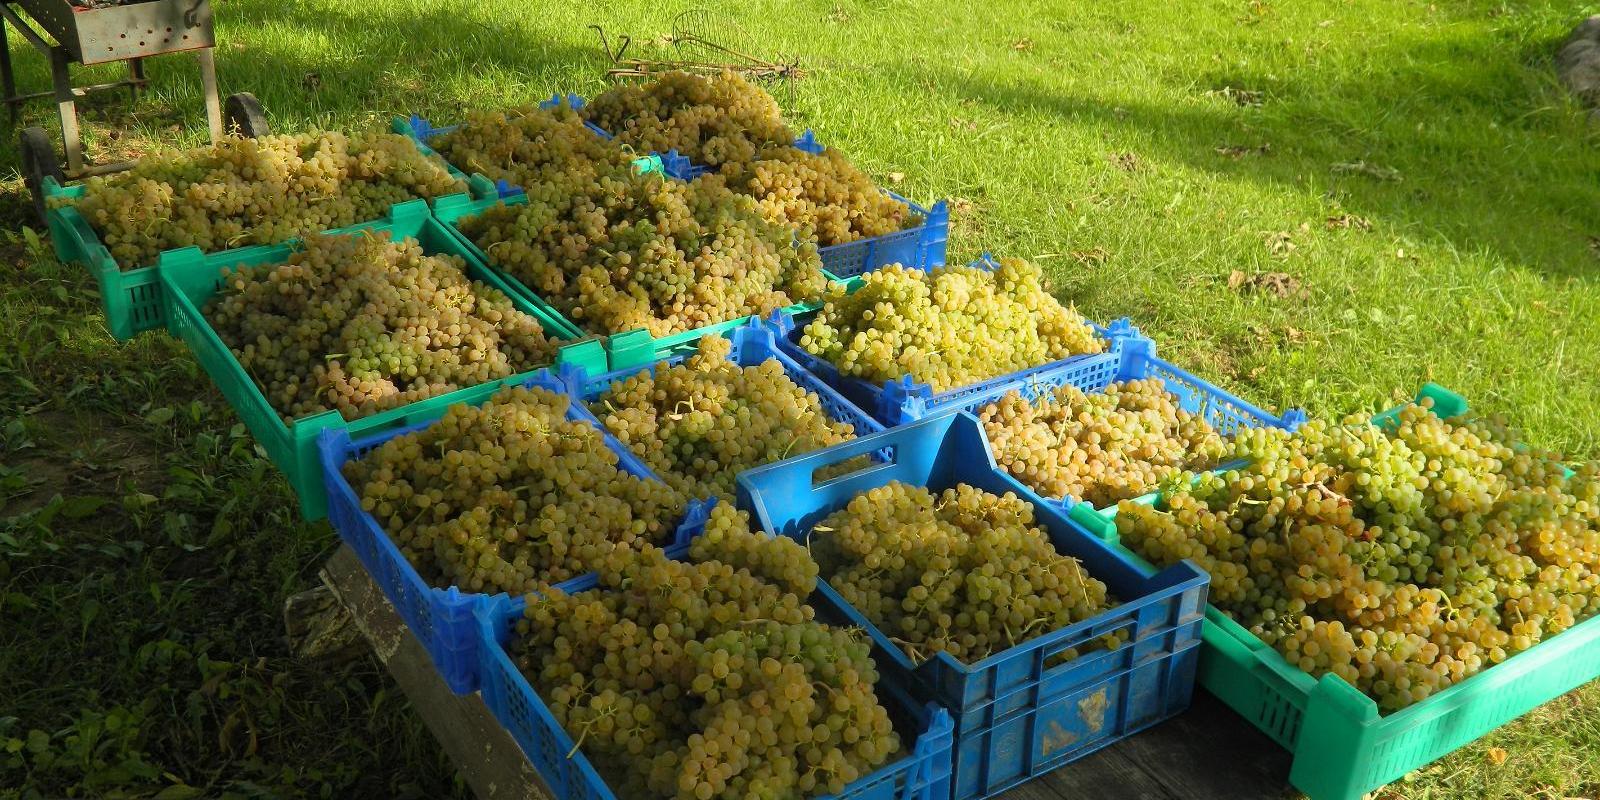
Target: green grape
362, 324
630, 251
710, 120
510, 496
949, 327
700, 423
1403, 559
963, 572
707, 678
241, 192
820, 193
1099, 447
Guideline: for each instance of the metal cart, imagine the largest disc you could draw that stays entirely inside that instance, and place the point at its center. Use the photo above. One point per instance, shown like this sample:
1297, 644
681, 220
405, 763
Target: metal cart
102, 35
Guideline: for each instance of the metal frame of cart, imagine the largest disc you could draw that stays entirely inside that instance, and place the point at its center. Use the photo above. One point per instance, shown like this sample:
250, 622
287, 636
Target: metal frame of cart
91, 36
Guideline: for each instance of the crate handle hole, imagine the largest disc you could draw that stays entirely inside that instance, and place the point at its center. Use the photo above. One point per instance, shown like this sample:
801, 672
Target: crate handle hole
829, 473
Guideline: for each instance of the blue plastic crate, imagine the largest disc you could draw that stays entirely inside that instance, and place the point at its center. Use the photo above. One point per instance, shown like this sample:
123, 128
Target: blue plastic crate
753, 343
922, 247
421, 131
905, 400
1015, 717
441, 619
923, 774
1133, 357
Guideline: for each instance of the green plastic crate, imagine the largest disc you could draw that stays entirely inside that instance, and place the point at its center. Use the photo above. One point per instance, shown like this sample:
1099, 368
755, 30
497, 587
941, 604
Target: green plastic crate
1342, 747
131, 298
190, 278
626, 350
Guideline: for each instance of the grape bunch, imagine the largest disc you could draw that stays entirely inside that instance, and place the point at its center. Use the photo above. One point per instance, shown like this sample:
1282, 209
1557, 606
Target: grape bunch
963, 571
641, 251
707, 679
361, 324
242, 192
1404, 559
532, 145
510, 496
700, 423
1100, 447
712, 120
822, 193
949, 327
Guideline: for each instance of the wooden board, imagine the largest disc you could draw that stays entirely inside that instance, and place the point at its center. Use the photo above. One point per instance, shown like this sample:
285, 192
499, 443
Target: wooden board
1207, 752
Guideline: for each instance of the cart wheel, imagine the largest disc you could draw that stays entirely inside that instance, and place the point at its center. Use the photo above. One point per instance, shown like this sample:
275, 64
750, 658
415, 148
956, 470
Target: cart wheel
38, 162
242, 115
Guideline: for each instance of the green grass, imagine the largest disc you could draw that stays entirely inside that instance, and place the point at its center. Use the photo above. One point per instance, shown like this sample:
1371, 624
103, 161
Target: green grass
1413, 167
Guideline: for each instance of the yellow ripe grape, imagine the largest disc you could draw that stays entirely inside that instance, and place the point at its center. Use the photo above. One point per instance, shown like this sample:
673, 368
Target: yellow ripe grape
698, 424
1099, 447
708, 678
631, 251
948, 327
242, 192
709, 120
1402, 559
362, 324
532, 145
819, 193
510, 496
963, 571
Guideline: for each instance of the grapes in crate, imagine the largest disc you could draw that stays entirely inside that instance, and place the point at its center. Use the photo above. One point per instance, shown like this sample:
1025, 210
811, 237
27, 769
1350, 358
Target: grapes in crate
510, 495
712, 120
1099, 447
362, 324
708, 678
698, 424
820, 193
962, 571
641, 251
524, 146
1403, 560
242, 192
948, 327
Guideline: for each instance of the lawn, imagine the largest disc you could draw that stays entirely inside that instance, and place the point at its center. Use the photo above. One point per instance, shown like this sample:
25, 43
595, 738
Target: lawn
1321, 203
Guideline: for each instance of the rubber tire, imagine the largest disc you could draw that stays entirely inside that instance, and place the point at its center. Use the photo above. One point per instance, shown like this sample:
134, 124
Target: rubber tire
39, 161
242, 114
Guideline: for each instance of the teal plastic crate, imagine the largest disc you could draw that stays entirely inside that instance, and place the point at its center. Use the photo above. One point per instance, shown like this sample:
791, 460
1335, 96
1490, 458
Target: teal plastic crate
1017, 714
131, 298
921, 774
625, 349
1342, 747
189, 278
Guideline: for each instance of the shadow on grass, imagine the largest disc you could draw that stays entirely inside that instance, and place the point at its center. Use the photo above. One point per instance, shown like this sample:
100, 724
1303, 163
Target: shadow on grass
1464, 141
